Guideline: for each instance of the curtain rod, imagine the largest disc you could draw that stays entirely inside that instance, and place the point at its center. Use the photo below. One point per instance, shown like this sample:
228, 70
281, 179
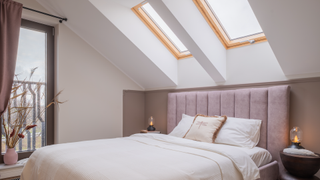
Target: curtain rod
61, 19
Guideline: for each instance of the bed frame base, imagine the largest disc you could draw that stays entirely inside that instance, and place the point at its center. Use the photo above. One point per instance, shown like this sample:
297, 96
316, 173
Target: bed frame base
269, 171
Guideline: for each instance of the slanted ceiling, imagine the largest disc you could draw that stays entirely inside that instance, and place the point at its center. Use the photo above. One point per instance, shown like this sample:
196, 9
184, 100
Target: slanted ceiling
102, 34
111, 28
119, 35
292, 28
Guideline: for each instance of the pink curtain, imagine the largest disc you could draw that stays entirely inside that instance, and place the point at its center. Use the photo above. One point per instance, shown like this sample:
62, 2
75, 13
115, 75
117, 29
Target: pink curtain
10, 22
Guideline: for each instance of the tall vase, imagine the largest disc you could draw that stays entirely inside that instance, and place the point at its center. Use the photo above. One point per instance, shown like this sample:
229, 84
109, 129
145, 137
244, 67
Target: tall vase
11, 157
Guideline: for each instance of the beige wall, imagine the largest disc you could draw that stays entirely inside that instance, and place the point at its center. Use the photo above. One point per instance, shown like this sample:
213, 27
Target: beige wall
134, 119
305, 113
91, 84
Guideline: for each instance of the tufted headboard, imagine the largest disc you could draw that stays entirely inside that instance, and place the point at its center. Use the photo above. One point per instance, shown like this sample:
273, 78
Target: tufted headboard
271, 105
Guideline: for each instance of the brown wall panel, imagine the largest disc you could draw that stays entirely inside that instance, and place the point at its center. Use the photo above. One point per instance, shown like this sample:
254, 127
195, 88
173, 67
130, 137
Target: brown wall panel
156, 106
133, 112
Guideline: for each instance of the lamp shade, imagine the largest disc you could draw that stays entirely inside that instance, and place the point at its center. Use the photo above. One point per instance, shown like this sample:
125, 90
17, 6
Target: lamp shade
296, 135
151, 121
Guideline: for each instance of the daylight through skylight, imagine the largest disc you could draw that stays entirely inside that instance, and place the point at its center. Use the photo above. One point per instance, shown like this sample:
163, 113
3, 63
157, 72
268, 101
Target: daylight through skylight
147, 8
236, 17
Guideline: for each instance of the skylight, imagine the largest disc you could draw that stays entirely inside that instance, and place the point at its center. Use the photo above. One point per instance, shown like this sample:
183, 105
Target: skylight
236, 17
164, 27
233, 21
161, 30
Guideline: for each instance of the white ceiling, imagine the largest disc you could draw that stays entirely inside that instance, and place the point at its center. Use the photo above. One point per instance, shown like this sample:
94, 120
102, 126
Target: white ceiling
134, 29
119, 35
214, 62
98, 31
292, 28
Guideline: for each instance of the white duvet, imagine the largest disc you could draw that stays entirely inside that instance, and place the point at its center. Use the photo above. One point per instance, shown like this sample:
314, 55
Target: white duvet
140, 157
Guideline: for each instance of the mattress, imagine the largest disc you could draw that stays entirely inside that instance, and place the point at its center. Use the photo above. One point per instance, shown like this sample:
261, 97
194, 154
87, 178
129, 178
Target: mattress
140, 157
260, 156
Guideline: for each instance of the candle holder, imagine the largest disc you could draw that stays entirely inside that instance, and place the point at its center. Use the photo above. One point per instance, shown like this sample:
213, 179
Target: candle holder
296, 138
151, 123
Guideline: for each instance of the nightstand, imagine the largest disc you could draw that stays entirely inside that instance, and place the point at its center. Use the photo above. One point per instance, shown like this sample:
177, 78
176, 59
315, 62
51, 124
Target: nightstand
287, 176
155, 132
299, 167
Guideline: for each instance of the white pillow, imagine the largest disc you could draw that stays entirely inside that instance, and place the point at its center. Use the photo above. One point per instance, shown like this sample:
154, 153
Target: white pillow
240, 132
183, 127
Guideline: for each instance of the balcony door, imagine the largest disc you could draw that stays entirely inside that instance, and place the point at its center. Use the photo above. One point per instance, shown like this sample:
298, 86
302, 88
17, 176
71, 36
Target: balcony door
35, 51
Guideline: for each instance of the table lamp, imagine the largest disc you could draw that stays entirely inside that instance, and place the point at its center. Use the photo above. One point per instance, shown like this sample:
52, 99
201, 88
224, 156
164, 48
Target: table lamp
296, 138
151, 123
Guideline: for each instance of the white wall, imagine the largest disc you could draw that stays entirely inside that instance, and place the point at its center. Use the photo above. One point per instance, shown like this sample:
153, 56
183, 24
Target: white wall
93, 88
91, 84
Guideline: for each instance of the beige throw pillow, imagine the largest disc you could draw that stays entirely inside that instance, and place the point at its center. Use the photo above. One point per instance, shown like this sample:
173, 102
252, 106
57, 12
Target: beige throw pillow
205, 128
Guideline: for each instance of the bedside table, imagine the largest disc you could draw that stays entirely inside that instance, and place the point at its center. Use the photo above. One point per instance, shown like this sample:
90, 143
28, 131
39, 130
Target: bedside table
155, 132
299, 166
287, 176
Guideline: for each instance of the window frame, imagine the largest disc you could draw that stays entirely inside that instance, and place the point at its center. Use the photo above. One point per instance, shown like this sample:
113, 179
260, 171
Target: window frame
158, 33
220, 32
49, 30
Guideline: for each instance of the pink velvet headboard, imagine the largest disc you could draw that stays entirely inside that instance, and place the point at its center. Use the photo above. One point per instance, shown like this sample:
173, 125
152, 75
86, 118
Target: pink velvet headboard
271, 105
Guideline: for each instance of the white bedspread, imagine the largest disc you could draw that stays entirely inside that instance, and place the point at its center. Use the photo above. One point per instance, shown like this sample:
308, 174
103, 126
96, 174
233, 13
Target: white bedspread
140, 157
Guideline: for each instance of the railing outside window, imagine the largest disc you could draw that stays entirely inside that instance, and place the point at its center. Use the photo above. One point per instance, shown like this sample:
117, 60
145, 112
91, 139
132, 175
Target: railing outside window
36, 137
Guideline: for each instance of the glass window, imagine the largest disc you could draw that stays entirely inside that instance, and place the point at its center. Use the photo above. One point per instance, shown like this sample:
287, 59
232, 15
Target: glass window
236, 17
233, 21
164, 27
35, 51
161, 30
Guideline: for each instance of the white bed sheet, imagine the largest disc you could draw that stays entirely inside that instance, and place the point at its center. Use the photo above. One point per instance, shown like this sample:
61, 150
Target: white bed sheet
260, 156
140, 157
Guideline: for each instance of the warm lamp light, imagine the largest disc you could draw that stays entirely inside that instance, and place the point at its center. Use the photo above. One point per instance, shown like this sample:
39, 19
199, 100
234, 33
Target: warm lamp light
296, 138
151, 123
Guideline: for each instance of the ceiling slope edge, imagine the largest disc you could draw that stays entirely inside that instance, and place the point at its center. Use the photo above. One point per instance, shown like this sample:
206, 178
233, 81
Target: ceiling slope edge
198, 29
211, 57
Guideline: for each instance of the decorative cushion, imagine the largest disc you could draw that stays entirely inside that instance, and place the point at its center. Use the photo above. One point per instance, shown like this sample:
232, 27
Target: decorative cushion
240, 132
205, 128
183, 127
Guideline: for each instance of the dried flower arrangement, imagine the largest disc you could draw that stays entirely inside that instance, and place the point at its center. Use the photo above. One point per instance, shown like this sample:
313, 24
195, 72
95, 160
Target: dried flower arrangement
19, 112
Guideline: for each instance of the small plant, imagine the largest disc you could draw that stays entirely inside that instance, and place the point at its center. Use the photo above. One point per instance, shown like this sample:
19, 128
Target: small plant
19, 108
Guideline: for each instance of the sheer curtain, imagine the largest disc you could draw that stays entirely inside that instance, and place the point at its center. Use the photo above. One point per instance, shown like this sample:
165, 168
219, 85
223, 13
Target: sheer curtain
10, 22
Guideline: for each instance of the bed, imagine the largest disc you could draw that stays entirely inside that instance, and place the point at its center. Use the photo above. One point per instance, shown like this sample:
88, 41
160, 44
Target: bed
164, 157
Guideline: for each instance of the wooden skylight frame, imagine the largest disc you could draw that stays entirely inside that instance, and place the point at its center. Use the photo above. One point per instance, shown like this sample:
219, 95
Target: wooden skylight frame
158, 33
220, 32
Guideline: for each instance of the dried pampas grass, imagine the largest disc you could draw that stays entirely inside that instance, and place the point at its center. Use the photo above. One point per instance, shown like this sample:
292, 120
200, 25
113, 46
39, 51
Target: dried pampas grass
19, 108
